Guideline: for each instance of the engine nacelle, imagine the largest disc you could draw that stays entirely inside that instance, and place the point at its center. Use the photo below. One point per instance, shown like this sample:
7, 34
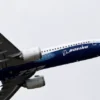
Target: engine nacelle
36, 82
32, 54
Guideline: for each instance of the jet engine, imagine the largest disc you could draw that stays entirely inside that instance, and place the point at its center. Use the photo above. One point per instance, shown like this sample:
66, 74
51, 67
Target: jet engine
36, 82
31, 54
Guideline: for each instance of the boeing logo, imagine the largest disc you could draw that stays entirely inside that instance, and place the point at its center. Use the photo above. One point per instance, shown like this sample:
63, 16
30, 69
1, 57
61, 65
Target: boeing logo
75, 49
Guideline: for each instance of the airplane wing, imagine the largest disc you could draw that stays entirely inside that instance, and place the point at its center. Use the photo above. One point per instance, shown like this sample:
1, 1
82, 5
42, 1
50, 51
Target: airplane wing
10, 87
8, 53
9, 57
8, 90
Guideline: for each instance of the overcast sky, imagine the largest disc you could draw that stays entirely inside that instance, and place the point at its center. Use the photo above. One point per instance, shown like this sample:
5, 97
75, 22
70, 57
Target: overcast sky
45, 23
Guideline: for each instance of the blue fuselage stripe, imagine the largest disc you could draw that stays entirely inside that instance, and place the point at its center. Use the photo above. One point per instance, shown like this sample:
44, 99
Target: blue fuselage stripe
59, 57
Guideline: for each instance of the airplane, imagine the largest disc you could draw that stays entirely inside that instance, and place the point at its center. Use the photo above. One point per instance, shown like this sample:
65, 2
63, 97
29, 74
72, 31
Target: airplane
16, 67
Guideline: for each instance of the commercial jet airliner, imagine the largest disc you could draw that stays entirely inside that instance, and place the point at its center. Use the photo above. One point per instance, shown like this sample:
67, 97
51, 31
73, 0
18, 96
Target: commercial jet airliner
16, 67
